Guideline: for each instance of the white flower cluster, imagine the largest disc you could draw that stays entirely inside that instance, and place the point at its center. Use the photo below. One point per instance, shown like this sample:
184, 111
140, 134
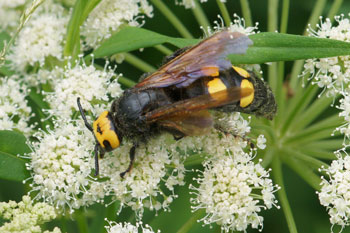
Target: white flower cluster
109, 15
335, 191
232, 191
61, 164
10, 13
156, 162
128, 228
14, 111
41, 39
93, 86
332, 73
25, 216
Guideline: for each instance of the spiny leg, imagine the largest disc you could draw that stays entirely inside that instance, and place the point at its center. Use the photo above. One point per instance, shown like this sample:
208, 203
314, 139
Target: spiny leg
97, 169
132, 159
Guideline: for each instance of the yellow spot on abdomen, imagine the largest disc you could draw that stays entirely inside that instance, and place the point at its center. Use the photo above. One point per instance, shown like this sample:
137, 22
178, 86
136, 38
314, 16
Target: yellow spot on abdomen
103, 130
215, 85
242, 72
245, 101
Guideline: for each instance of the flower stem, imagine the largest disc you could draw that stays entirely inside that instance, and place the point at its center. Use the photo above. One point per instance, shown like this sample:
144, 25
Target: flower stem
81, 221
277, 174
138, 63
191, 221
126, 81
172, 18
224, 12
246, 13
163, 49
305, 172
312, 162
284, 17
200, 15
334, 9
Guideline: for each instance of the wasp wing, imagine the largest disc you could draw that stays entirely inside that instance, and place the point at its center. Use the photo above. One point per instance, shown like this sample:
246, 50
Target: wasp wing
205, 59
191, 106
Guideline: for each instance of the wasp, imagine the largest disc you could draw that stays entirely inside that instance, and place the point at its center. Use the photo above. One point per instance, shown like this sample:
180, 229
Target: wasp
176, 98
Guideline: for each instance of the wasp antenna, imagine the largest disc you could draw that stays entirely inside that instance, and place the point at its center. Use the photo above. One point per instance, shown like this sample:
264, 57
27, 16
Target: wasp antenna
83, 116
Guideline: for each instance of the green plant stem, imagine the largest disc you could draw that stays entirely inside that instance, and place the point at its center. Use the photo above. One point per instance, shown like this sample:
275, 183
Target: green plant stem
316, 12
330, 144
90, 5
306, 158
224, 12
278, 176
200, 15
298, 65
163, 49
311, 113
126, 81
138, 63
334, 9
318, 153
284, 17
191, 221
271, 27
81, 222
172, 18
303, 171
297, 104
247, 15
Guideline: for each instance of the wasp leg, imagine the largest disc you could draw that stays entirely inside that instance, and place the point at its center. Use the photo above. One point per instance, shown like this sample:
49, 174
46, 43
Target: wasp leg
132, 159
226, 132
97, 169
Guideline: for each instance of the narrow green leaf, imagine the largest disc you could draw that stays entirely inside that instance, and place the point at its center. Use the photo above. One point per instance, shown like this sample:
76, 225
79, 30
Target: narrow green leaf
72, 46
133, 38
11, 166
272, 46
268, 46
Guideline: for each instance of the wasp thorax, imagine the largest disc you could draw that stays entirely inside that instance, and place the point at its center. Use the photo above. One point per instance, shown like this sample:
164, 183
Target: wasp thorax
105, 132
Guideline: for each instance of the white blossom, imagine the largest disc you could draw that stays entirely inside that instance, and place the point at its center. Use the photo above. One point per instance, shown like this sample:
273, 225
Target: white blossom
335, 190
14, 110
156, 163
190, 3
86, 82
128, 228
61, 164
109, 15
26, 216
233, 190
41, 39
10, 12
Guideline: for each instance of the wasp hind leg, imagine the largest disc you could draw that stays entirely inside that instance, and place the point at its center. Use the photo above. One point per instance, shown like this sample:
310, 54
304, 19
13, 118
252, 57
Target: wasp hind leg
223, 130
132, 159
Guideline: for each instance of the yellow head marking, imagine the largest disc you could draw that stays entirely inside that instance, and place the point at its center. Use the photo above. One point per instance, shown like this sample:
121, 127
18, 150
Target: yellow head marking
242, 72
245, 101
104, 131
212, 71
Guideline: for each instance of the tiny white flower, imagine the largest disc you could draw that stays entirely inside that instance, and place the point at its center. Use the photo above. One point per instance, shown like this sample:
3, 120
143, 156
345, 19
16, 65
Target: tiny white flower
26, 216
128, 228
335, 189
14, 110
41, 38
156, 163
61, 165
261, 142
233, 190
86, 82
109, 15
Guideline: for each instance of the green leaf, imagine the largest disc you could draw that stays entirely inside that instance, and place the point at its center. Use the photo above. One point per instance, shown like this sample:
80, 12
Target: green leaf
4, 37
4, 69
133, 38
268, 46
72, 46
12, 167
272, 46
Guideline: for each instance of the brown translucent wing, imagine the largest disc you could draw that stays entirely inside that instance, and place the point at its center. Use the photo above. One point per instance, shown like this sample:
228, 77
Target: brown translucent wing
192, 124
205, 59
202, 102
